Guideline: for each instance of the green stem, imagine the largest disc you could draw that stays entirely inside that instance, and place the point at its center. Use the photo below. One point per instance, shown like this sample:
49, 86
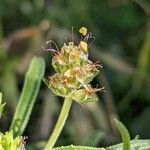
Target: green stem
60, 123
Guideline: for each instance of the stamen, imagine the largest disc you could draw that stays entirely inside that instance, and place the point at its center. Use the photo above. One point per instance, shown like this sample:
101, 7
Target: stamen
66, 40
73, 35
53, 51
96, 64
49, 42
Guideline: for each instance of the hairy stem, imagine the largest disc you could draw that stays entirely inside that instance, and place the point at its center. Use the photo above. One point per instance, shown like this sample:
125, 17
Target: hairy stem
60, 123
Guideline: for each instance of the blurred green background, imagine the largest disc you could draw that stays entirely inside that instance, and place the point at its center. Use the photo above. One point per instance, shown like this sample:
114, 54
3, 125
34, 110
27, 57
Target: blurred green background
122, 31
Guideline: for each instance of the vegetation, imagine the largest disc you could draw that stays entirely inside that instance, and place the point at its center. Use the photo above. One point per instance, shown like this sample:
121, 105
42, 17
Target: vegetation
122, 47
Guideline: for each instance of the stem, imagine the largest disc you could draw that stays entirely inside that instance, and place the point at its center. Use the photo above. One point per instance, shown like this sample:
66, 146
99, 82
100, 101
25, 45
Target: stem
60, 123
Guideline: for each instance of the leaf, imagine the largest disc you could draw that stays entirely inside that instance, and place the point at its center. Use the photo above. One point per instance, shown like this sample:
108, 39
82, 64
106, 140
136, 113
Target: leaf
1, 105
124, 134
28, 96
135, 145
0, 97
73, 147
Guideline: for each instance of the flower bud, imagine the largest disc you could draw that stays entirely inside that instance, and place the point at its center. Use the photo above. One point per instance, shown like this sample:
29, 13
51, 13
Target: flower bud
8, 142
59, 63
84, 96
69, 57
90, 71
83, 31
59, 85
83, 46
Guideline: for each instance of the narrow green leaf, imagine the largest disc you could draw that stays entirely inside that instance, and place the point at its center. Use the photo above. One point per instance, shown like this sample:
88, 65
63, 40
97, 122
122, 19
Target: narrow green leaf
28, 96
1, 105
124, 134
73, 147
135, 145
0, 97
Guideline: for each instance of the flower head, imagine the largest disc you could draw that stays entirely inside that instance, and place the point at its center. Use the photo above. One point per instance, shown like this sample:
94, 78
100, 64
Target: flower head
74, 71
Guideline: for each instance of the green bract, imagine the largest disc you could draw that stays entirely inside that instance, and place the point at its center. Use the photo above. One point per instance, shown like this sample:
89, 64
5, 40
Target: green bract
82, 96
74, 71
8, 142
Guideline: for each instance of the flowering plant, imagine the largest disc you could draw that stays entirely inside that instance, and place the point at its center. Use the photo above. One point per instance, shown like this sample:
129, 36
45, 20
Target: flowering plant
74, 72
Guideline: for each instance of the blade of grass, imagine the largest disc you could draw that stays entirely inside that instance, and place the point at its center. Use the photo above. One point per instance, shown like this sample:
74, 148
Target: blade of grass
28, 96
0, 97
1, 105
124, 134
